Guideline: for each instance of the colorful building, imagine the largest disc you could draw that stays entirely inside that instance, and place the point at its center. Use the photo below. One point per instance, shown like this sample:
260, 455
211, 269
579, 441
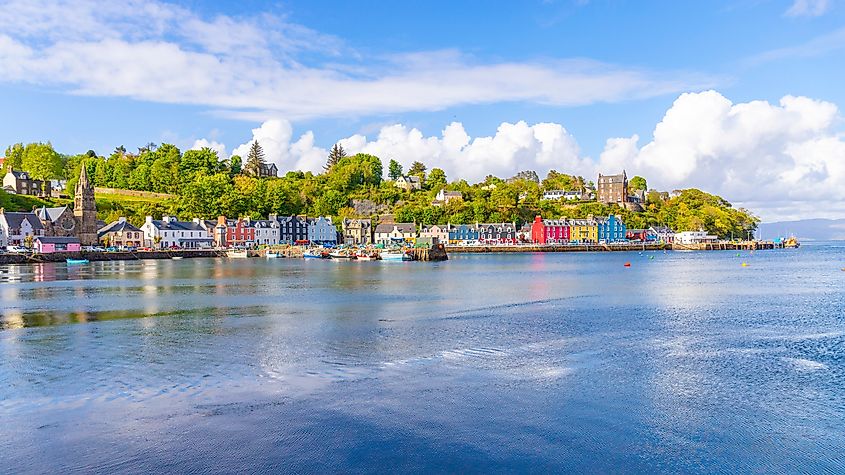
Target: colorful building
497, 233
51, 244
550, 231
463, 233
611, 229
583, 231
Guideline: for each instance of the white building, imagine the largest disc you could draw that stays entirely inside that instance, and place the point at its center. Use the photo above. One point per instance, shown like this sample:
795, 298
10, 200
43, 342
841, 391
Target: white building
267, 232
694, 237
168, 232
436, 231
389, 233
15, 227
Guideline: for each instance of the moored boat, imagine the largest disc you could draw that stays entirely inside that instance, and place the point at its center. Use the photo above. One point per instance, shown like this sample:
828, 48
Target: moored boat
396, 255
791, 243
273, 255
368, 256
315, 254
72, 262
176, 258
237, 253
342, 254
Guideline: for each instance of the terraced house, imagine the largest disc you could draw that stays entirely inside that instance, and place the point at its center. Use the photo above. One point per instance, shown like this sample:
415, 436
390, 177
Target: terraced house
497, 233
19, 229
169, 232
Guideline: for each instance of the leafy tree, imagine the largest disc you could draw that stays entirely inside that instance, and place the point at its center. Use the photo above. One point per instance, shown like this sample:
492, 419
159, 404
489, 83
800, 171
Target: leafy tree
417, 169
42, 161
638, 183
436, 179
14, 156
235, 163
394, 169
164, 171
208, 196
335, 155
204, 160
254, 160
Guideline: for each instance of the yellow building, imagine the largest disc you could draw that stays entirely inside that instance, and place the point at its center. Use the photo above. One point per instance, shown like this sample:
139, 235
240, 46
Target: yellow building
584, 230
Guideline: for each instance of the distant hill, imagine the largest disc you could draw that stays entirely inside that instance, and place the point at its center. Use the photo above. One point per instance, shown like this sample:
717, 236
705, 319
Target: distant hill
806, 229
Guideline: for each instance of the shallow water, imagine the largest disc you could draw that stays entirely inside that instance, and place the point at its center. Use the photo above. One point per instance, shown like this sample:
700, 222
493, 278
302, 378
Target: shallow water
536, 362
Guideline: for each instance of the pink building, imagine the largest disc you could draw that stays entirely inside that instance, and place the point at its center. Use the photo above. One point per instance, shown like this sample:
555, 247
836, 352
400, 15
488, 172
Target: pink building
49, 244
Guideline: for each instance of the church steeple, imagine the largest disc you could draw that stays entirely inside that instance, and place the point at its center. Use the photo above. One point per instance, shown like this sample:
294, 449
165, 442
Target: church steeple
85, 210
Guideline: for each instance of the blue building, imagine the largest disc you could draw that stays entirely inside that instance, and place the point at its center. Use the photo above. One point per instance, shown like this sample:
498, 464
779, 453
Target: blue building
322, 231
611, 229
463, 233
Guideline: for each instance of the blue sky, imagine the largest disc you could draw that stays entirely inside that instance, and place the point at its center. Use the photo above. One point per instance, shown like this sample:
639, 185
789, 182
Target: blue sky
601, 77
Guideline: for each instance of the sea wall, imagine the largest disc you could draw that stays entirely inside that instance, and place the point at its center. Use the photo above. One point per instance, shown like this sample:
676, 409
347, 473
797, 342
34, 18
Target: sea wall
559, 248
105, 256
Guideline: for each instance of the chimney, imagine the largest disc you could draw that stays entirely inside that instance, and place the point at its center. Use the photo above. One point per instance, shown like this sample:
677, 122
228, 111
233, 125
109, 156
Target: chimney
148, 220
121, 219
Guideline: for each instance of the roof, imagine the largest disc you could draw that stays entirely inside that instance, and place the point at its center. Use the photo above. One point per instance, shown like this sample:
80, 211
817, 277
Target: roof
20, 175
116, 226
411, 178
402, 227
52, 214
265, 223
620, 178
556, 222
453, 194
14, 220
498, 225
177, 225
57, 240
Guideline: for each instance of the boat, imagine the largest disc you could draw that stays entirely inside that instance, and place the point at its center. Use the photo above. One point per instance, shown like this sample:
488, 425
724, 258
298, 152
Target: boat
315, 254
273, 255
342, 254
791, 243
367, 256
176, 258
396, 255
76, 262
237, 253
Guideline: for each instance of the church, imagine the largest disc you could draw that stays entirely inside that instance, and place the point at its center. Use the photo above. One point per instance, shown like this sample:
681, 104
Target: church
80, 222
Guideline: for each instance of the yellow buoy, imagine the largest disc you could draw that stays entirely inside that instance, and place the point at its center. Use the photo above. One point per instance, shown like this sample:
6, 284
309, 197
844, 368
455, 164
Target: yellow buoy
744, 264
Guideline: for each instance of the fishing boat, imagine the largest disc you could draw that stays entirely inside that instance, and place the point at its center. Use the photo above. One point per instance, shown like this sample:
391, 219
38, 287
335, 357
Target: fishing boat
237, 253
396, 255
368, 256
791, 243
76, 262
273, 255
315, 254
342, 254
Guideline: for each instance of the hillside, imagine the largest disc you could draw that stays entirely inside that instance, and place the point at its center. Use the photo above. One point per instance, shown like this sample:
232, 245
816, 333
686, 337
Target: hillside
805, 229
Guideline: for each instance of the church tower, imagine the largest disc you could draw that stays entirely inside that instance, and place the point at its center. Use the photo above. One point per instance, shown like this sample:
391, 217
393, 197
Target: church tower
85, 210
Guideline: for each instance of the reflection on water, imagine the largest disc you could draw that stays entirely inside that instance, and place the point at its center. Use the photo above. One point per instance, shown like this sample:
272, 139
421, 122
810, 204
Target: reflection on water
683, 362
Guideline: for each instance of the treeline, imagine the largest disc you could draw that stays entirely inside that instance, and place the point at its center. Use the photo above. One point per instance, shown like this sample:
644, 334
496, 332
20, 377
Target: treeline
207, 187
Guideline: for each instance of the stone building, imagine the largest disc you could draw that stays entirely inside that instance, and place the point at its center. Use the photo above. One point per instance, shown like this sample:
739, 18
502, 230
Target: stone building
20, 183
57, 222
358, 232
85, 211
613, 188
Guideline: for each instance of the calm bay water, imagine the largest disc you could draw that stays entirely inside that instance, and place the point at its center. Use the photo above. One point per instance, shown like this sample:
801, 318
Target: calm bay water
507, 363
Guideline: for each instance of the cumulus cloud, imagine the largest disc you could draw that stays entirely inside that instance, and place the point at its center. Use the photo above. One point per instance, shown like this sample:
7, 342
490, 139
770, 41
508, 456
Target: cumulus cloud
808, 8
781, 159
266, 67
212, 144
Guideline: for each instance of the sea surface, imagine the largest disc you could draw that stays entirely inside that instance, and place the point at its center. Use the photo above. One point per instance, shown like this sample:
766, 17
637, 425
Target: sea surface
682, 362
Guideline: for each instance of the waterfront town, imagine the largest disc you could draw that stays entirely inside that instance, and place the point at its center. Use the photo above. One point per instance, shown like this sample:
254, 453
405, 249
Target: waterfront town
47, 230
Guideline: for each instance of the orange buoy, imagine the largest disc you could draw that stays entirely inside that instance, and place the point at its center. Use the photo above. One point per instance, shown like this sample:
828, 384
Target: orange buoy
627, 264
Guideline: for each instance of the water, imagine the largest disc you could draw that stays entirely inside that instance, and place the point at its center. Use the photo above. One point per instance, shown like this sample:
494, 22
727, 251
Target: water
687, 362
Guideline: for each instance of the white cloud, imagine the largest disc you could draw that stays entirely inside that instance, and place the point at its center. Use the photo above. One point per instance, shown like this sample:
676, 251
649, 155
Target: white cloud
275, 137
255, 68
781, 159
212, 144
808, 8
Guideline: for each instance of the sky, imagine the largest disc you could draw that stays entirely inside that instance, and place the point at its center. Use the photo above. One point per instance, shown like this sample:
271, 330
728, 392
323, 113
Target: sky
739, 98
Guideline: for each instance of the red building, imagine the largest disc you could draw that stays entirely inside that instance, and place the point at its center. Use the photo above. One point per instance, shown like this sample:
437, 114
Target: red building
240, 232
549, 231
636, 235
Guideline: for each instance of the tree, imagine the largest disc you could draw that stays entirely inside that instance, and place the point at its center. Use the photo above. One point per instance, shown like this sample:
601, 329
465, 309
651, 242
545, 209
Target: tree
28, 241
254, 160
335, 155
638, 183
14, 156
417, 169
195, 161
235, 164
41, 161
436, 179
394, 169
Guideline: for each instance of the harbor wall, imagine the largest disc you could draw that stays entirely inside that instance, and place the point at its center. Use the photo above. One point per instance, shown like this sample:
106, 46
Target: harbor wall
106, 256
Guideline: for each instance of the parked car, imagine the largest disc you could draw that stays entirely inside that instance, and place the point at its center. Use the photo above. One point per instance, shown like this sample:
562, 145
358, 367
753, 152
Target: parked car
174, 247
112, 249
145, 249
17, 249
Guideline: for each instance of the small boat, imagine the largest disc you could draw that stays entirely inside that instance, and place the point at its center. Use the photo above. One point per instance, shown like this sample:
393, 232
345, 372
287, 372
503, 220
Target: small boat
367, 256
176, 258
273, 255
315, 254
395, 256
76, 262
791, 243
341, 254
627, 264
237, 253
